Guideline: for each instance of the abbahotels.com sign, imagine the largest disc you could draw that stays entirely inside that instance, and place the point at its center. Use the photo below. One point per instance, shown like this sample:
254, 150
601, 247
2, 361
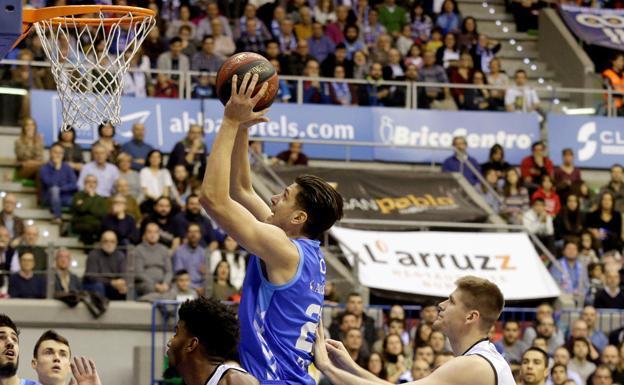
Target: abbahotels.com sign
428, 263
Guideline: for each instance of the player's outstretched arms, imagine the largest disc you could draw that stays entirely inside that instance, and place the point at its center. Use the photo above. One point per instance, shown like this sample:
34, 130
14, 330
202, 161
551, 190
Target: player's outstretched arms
241, 188
84, 372
266, 241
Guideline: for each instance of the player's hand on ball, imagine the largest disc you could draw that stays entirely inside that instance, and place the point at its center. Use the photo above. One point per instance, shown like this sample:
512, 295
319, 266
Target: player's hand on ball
240, 107
84, 371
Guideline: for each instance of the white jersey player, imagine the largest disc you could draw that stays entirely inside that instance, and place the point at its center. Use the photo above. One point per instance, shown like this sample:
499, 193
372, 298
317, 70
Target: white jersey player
465, 318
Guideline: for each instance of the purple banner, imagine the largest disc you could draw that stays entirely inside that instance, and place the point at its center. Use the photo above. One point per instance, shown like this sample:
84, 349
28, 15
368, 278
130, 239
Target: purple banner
603, 27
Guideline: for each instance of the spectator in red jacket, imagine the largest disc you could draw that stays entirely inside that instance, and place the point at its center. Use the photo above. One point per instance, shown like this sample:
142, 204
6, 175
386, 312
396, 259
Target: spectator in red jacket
535, 166
547, 192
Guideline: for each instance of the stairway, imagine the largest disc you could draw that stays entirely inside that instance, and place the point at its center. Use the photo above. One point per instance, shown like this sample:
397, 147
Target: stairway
28, 209
518, 51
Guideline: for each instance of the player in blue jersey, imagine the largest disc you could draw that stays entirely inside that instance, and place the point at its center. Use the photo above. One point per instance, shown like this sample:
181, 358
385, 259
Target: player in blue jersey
283, 290
9, 353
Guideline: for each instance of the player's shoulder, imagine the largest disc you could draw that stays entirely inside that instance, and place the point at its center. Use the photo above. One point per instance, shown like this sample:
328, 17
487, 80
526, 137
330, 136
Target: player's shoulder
237, 377
454, 372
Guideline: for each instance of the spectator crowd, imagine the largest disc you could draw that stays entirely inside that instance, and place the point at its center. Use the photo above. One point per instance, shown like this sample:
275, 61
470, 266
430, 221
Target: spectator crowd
553, 202
552, 348
387, 44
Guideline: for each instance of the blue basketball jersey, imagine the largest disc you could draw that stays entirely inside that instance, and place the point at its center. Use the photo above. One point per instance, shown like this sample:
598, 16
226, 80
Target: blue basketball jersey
278, 322
28, 382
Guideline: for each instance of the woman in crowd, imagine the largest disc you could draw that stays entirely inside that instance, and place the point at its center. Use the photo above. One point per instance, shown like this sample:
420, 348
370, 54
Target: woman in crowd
124, 163
236, 258
324, 12
569, 222
422, 334
469, 35
588, 252
73, 152
339, 91
106, 133
605, 223
477, 99
462, 74
587, 198
515, 197
396, 362
361, 66
414, 56
181, 188
437, 341
119, 222
29, 150
222, 288
448, 55
497, 78
497, 161
547, 192
377, 365
449, 20
580, 359
155, 180
421, 24
491, 194
558, 374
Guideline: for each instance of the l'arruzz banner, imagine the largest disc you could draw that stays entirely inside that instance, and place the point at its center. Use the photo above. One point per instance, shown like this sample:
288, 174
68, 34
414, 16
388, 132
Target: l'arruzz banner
396, 195
428, 263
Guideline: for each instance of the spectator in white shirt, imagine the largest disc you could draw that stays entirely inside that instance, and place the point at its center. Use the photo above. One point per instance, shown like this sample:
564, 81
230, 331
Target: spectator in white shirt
156, 180
537, 221
521, 97
231, 253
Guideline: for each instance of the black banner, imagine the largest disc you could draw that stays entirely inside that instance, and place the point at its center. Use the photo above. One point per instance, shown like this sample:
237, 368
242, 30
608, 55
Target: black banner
396, 195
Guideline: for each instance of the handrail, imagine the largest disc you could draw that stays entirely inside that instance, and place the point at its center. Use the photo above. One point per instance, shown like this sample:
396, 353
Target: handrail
186, 74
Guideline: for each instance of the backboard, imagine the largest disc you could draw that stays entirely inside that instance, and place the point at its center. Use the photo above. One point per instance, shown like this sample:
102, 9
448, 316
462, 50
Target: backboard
10, 24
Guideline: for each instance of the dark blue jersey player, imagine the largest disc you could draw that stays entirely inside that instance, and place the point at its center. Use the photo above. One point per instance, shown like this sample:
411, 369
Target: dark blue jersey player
283, 290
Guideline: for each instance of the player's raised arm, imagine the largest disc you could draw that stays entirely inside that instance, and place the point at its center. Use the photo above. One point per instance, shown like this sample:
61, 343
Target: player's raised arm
241, 187
267, 241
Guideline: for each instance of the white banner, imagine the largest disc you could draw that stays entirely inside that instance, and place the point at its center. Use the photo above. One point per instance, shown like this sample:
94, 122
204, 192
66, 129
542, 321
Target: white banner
428, 263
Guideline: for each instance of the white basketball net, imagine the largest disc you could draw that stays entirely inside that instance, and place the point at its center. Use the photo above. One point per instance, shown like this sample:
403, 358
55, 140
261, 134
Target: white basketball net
89, 63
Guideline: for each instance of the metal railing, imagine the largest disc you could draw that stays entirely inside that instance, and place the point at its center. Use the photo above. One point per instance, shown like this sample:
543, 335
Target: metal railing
605, 97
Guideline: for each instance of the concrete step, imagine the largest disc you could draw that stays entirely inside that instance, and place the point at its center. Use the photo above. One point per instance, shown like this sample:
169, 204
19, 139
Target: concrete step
494, 2
481, 18
541, 71
490, 28
14, 187
511, 44
519, 36
477, 9
39, 215
519, 55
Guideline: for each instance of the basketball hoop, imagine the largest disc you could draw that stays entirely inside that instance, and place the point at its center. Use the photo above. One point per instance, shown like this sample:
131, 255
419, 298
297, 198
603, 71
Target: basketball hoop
90, 48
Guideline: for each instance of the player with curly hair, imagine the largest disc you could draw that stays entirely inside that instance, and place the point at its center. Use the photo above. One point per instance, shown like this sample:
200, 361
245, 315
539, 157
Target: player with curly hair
205, 338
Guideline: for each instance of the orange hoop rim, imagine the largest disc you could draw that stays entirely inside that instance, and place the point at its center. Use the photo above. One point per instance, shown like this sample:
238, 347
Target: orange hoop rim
60, 15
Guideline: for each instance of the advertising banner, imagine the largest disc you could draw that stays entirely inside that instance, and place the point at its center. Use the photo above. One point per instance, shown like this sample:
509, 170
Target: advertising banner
514, 131
603, 27
397, 195
428, 263
168, 120
598, 142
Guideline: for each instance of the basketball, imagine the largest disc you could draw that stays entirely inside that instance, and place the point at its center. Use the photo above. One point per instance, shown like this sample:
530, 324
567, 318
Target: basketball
240, 64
